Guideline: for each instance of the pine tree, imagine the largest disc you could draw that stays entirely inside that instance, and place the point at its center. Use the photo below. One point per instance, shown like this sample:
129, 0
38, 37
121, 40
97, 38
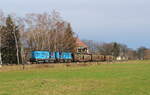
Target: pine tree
69, 40
11, 50
116, 49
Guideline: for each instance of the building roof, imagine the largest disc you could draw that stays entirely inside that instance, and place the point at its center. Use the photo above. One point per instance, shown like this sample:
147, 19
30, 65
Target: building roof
79, 43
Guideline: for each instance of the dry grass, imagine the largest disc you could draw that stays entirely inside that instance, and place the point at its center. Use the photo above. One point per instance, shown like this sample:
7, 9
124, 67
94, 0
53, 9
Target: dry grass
41, 66
59, 65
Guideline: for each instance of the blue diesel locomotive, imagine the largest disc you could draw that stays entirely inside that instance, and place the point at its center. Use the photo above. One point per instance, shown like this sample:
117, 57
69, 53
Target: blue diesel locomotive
46, 57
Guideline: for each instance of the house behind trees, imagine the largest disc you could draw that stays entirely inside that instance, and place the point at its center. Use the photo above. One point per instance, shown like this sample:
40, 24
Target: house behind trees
81, 47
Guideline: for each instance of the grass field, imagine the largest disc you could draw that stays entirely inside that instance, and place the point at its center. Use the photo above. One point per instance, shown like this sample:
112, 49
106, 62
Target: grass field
127, 78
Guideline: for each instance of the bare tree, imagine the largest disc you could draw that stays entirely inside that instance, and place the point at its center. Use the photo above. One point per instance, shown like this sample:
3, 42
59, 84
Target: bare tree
48, 32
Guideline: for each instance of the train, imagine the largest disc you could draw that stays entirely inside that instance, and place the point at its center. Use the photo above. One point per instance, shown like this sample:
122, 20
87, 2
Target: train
65, 57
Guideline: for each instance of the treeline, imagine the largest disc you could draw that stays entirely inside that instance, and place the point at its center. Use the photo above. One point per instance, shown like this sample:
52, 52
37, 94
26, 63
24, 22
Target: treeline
20, 35
49, 32
117, 50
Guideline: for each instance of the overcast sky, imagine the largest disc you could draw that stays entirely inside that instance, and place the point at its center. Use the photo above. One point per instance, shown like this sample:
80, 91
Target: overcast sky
124, 21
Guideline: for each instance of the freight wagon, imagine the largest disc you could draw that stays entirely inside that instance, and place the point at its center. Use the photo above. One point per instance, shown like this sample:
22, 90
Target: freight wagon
77, 57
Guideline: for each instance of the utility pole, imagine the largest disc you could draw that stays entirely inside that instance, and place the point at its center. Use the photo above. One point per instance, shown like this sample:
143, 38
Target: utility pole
0, 53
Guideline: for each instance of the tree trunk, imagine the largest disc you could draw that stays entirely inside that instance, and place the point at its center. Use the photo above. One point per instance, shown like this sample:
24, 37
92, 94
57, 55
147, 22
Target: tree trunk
17, 47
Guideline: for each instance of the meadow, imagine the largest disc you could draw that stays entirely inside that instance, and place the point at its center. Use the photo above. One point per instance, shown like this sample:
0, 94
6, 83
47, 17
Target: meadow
121, 78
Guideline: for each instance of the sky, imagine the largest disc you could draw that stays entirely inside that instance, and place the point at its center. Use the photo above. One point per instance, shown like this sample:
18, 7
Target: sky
122, 21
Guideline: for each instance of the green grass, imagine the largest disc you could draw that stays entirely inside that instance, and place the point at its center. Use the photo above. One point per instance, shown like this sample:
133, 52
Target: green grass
128, 78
